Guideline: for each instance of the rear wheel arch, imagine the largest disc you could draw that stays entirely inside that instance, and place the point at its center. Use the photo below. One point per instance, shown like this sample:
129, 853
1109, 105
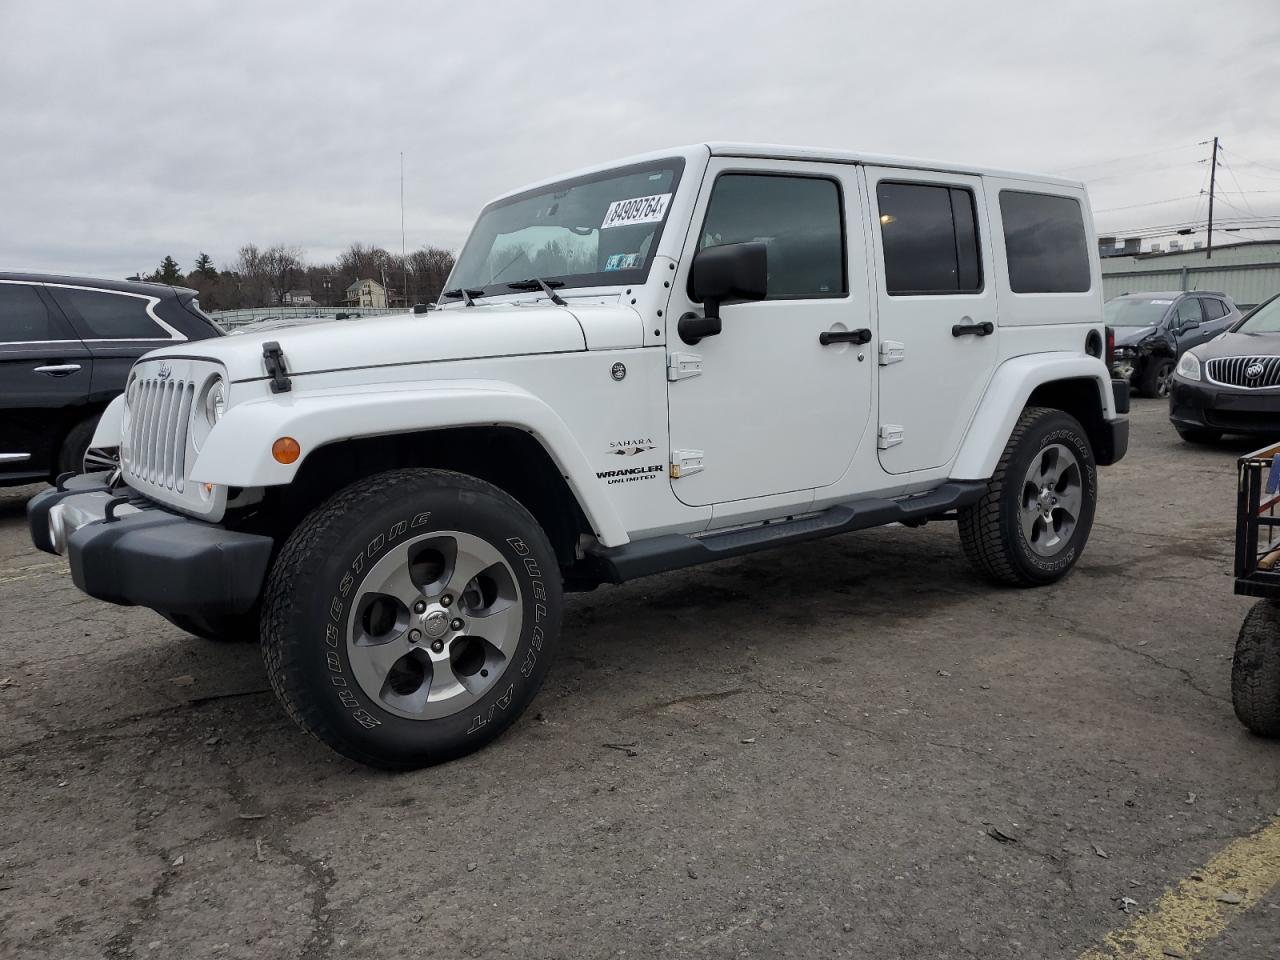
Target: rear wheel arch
1082, 398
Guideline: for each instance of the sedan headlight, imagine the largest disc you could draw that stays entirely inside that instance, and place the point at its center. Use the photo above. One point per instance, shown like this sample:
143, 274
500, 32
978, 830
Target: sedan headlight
215, 401
1189, 366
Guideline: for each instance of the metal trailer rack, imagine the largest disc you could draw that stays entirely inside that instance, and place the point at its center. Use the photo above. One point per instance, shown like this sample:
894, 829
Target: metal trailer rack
1255, 667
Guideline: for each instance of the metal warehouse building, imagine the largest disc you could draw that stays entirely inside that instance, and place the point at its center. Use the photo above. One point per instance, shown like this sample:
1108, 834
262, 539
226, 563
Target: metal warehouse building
1246, 272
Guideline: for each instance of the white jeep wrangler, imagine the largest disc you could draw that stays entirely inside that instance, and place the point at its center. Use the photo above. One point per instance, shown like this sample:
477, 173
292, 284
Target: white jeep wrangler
683, 357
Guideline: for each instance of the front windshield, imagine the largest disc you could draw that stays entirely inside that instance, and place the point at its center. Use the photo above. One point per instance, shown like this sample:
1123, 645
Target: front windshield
1264, 319
597, 230
1135, 311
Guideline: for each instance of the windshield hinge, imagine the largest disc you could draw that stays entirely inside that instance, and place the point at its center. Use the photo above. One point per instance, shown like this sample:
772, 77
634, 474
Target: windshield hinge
273, 359
681, 366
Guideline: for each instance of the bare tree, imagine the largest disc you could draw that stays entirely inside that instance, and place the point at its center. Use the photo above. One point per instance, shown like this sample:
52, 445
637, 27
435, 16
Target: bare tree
281, 268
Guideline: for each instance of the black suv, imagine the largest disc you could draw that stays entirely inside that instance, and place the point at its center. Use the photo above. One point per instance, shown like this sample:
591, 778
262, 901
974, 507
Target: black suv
1152, 330
66, 346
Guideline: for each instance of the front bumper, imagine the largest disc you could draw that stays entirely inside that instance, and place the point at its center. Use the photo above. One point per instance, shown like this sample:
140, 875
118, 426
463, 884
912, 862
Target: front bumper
147, 556
1207, 406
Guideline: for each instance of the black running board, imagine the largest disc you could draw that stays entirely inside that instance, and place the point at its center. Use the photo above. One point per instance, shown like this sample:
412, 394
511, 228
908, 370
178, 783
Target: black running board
673, 551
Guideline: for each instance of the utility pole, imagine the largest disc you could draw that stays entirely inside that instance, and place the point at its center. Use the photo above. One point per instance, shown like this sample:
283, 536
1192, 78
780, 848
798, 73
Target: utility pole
1213, 175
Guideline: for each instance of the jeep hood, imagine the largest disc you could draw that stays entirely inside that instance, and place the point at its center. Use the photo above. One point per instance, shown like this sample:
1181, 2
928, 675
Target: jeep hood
502, 330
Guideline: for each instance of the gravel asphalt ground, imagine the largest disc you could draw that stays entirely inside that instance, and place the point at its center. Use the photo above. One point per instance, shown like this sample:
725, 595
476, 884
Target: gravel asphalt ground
852, 748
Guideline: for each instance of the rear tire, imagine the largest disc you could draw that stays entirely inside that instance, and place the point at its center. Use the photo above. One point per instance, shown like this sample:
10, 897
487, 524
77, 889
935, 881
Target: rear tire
1197, 435
1255, 670
412, 617
1032, 524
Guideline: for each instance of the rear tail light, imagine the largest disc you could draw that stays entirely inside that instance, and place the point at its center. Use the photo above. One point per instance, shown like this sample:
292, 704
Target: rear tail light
1111, 347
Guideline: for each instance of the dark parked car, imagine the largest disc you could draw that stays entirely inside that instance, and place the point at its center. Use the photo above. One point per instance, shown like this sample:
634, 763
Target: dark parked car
1231, 385
1153, 329
66, 346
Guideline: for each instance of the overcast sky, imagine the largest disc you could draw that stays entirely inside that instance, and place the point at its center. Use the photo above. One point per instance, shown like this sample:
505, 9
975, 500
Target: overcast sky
132, 130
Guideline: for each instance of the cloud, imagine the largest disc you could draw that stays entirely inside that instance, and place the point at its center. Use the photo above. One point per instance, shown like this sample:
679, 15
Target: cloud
138, 130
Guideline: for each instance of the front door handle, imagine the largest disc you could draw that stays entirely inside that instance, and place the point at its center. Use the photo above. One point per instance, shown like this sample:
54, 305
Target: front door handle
58, 369
983, 329
860, 336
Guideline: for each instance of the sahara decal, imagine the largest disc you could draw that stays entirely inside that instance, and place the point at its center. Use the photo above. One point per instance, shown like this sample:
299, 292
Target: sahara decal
630, 448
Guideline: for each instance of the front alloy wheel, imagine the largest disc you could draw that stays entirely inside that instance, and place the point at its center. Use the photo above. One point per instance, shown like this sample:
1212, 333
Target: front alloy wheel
436, 624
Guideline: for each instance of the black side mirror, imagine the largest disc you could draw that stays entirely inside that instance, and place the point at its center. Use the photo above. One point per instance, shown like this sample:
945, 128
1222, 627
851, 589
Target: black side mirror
730, 273
1190, 325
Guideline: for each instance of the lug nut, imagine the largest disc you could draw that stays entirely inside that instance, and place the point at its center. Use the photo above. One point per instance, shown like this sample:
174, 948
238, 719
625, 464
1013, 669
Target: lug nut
437, 645
446, 600
420, 606
456, 623
415, 636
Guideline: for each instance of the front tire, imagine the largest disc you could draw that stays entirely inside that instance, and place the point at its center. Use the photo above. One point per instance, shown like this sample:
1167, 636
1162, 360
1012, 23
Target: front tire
1255, 670
1031, 525
1157, 377
411, 618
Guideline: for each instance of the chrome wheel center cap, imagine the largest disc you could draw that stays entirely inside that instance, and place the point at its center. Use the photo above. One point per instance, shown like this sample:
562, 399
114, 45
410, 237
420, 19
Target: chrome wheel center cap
435, 624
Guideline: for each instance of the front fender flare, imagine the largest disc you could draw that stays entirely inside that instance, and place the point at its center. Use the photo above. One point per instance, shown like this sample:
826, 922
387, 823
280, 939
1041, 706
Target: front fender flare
1007, 395
237, 451
110, 425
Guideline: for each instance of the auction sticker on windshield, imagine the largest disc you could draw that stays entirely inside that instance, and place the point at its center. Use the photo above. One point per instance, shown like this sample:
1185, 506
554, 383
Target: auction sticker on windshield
623, 213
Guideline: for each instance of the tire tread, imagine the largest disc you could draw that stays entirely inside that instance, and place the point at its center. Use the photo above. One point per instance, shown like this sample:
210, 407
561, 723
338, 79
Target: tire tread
1255, 670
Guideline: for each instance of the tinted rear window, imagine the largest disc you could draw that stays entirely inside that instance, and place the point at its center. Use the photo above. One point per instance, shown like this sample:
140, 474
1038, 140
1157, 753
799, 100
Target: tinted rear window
23, 317
113, 316
930, 239
1044, 243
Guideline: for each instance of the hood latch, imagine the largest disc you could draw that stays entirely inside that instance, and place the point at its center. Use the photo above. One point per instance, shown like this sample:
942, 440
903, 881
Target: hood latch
273, 358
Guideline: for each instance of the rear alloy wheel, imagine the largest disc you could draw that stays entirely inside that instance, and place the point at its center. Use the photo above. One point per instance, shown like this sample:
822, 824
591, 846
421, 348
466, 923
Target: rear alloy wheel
1034, 520
411, 619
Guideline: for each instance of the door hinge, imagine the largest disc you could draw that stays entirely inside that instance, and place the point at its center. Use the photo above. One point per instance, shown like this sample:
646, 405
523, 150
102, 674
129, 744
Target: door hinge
685, 463
681, 366
890, 435
892, 351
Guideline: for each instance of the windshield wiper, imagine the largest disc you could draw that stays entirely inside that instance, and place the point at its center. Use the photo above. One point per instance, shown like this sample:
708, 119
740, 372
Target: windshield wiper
537, 283
466, 295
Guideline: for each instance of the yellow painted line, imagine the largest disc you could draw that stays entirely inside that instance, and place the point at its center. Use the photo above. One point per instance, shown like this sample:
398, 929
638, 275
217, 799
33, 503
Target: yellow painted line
32, 571
1191, 915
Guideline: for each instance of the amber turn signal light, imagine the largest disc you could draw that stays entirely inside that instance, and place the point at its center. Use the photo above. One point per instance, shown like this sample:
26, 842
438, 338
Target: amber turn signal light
286, 450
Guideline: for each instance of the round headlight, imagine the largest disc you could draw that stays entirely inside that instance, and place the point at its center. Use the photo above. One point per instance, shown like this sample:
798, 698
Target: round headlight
215, 401
1189, 366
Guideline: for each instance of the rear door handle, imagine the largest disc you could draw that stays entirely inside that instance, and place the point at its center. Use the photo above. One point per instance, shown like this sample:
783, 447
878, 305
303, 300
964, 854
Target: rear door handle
983, 329
58, 369
862, 335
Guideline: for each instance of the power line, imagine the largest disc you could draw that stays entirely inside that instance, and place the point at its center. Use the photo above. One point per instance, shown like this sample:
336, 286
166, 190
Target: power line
1132, 156
1152, 203
1255, 163
1138, 173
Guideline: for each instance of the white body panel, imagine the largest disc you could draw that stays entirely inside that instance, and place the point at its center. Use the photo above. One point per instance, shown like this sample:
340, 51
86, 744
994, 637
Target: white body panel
783, 424
764, 407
